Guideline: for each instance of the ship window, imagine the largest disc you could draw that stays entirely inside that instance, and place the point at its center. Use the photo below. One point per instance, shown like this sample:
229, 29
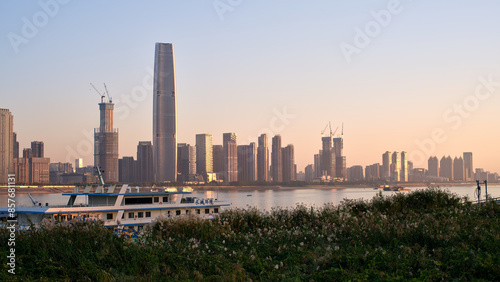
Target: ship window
130, 215
109, 216
207, 211
137, 201
123, 215
178, 212
157, 199
187, 211
140, 214
165, 199
198, 211
216, 210
148, 214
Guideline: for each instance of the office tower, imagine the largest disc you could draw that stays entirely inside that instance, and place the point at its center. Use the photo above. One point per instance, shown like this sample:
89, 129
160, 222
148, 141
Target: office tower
458, 169
204, 155
126, 170
186, 161
164, 114
410, 167
403, 177
446, 168
355, 173
37, 149
276, 160
56, 170
386, 165
218, 156
263, 159
468, 166
31, 170
106, 143
247, 162
288, 163
230, 157
6, 146
433, 167
328, 157
340, 159
317, 164
309, 173
373, 172
145, 164
395, 166
15, 151
78, 164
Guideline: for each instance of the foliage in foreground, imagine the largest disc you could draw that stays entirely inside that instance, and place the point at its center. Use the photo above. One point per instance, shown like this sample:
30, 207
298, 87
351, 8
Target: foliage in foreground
428, 234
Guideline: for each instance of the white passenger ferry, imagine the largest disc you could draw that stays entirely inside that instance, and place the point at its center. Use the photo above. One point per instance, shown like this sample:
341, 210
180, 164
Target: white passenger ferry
119, 206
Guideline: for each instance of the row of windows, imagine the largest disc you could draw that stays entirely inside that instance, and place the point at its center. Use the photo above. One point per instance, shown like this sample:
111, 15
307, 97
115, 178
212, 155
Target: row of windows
109, 216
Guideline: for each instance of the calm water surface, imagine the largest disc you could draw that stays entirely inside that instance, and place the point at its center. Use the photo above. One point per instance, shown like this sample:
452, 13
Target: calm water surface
284, 197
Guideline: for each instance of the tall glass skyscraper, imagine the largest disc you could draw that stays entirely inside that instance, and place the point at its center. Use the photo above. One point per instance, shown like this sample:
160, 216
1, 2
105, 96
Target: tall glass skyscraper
164, 114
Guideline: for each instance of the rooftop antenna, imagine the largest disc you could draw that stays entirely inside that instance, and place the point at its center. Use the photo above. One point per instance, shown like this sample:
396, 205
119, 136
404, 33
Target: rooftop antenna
102, 96
107, 93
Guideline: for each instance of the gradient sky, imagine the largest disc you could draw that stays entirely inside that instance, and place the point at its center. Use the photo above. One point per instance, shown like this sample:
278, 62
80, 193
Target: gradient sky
239, 65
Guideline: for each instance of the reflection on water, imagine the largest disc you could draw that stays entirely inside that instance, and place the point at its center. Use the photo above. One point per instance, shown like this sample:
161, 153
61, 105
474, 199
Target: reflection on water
284, 197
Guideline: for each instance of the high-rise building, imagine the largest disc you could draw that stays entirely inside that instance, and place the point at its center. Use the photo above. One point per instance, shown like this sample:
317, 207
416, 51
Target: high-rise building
288, 163
37, 148
145, 166
218, 156
6, 146
468, 166
458, 169
309, 173
395, 167
31, 170
164, 114
56, 170
16, 146
106, 143
78, 164
355, 173
386, 165
317, 165
433, 167
263, 159
127, 170
373, 172
230, 157
186, 161
403, 177
247, 162
446, 168
276, 160
328, 159
340, 159
204, 155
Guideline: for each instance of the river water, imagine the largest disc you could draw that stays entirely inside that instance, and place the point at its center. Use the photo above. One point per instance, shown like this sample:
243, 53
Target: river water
266, 199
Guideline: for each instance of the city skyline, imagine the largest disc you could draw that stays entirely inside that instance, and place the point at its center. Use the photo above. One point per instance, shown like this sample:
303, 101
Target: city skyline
396, 93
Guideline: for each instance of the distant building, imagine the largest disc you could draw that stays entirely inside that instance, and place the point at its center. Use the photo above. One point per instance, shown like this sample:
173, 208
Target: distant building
16, 146
37, 148
317, 165
395, 166
106, 144
373, 172
328, 159
309, 173
458, 169
468, 166
29, 170
276, 160
418, 175
204, 155
433, 167
6, 146
186, 161
446, 168
247, 162
355, 173
263, 159
127, 170
145, 165
340, 159
78, 163
288, 163
403, 177
386, 165
56, 170
230, 157
218, 156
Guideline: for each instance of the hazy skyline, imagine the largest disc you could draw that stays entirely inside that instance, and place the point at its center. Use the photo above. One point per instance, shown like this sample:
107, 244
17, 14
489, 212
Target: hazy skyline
417, 70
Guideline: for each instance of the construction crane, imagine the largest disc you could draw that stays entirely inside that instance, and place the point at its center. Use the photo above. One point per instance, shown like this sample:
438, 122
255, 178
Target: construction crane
102, 96
107, 93
334, 131
322, 132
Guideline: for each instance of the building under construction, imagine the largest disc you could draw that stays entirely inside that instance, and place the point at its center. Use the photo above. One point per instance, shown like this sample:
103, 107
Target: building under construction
106, 143
331, 159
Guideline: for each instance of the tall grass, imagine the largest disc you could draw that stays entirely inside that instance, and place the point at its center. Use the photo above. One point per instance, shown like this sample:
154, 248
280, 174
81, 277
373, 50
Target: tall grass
428, 234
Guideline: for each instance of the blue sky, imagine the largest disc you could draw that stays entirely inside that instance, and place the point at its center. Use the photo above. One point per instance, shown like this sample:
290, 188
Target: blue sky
237, 67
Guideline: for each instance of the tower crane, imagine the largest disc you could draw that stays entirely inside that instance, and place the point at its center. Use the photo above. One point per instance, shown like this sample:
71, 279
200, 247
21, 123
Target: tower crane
102, 96
107, 93
323, 131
